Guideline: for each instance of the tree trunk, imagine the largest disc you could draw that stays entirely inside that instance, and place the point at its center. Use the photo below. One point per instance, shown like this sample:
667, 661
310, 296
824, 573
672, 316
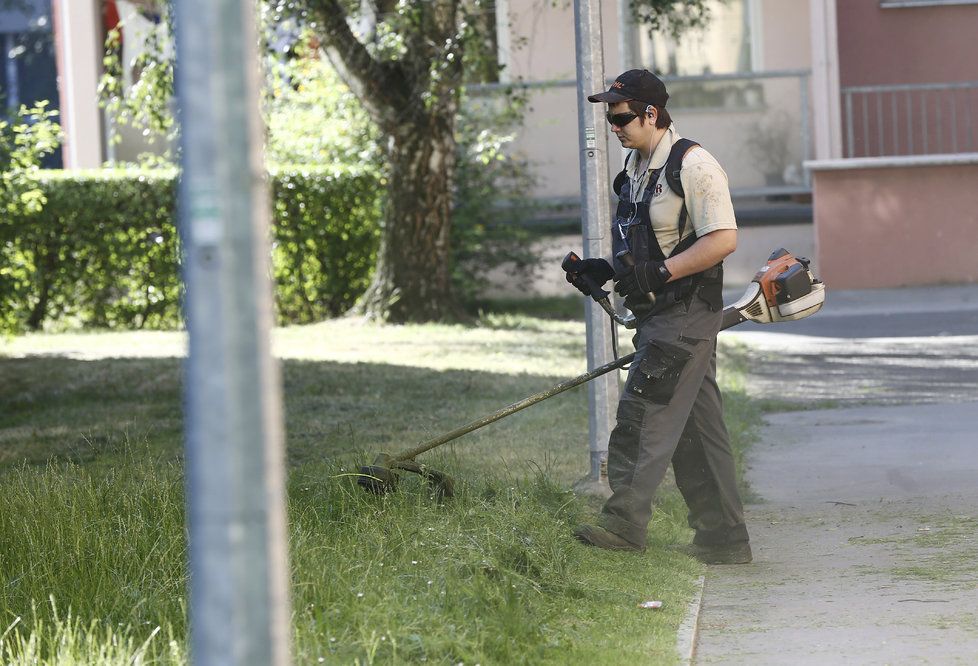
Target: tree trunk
412, 280
414, 98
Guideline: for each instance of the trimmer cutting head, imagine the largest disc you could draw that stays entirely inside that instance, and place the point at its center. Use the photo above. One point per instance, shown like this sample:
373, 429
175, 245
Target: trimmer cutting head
381, 478
378, 478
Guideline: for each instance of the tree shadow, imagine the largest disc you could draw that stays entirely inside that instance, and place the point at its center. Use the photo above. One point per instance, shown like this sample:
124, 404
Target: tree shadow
98, 412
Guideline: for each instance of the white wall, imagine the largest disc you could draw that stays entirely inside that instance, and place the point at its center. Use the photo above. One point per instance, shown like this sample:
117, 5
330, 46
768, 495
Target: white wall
77, 26
541, 34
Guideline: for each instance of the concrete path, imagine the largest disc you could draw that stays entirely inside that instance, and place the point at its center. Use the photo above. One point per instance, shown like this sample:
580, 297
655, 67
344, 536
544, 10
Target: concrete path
865, 530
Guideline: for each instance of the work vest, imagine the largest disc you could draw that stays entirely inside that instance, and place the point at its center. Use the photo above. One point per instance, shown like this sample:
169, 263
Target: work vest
632, 230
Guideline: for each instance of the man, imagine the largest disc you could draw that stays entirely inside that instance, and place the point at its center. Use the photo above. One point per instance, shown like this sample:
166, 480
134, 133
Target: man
671, 408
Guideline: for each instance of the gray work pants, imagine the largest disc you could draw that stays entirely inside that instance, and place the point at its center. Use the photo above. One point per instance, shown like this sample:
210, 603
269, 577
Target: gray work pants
671, 410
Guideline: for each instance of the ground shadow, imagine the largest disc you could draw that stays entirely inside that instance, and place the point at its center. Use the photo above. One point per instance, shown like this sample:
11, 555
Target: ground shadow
94, 411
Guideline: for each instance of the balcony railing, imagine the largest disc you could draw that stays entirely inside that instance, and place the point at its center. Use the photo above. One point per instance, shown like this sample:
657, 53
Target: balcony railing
910, 119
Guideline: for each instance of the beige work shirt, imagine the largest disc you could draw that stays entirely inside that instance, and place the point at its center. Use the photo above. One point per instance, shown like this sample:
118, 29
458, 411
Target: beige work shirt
704, 182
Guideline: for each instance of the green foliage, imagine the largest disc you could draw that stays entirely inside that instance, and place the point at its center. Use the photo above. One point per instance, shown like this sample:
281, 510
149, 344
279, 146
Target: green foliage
143, 104
484, 236
104, 250
312, 117
326, 235
23, 143
492, 195
672, 16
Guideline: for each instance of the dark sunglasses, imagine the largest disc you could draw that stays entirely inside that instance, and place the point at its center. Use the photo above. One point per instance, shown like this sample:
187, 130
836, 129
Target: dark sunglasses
621, 119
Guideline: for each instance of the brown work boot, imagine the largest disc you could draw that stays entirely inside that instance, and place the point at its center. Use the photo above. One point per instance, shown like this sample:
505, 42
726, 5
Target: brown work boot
737, 552
592, 535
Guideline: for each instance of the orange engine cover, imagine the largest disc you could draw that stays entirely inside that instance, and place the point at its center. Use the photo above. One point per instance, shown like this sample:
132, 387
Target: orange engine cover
779, 263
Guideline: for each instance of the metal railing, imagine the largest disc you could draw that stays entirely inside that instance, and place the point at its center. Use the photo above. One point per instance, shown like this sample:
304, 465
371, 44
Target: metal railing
910, 119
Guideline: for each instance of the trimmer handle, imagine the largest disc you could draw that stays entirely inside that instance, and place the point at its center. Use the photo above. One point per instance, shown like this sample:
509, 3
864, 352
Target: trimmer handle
628, 261
572, 264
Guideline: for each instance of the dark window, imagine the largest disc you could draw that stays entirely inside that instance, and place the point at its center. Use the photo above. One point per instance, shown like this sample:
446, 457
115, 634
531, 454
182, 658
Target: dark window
29, 71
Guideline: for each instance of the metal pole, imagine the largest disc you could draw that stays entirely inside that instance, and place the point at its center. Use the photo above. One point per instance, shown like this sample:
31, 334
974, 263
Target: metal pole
236, 512
595, 222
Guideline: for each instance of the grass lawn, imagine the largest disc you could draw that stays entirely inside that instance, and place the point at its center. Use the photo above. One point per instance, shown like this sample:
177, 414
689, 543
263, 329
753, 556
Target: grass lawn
92, 544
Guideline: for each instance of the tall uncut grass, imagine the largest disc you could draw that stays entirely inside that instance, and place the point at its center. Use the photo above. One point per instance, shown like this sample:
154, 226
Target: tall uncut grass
491, 576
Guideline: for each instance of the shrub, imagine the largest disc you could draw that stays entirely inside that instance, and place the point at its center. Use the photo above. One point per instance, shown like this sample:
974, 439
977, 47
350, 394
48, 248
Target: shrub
492, 201
104, 252
326, 227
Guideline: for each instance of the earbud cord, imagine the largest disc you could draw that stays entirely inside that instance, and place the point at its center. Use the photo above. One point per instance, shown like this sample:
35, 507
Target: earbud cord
638, 182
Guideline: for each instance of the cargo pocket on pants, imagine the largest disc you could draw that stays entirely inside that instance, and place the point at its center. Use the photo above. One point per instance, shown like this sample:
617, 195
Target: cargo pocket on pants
657, 375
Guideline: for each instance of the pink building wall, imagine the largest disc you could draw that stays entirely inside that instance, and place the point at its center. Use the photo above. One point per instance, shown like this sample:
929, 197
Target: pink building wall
906, 214
897, 226
879, 46
910, 45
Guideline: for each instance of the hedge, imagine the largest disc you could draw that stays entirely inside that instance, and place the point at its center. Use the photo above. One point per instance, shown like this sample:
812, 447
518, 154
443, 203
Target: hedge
104, 251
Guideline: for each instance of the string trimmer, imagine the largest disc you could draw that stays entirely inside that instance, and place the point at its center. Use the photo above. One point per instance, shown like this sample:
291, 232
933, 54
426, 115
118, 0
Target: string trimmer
784, 289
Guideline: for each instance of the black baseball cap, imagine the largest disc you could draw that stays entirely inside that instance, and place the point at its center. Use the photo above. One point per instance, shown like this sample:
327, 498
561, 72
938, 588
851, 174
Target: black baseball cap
637, 84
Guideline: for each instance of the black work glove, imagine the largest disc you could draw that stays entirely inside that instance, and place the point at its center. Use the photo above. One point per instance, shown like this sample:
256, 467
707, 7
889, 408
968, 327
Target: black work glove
599, 270
642, 278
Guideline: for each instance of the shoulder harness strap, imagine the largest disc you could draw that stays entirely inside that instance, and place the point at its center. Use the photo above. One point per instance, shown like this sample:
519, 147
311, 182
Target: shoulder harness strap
674, 167
621, 177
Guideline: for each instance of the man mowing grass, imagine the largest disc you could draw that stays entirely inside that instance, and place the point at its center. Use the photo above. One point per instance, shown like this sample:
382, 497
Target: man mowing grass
676, 222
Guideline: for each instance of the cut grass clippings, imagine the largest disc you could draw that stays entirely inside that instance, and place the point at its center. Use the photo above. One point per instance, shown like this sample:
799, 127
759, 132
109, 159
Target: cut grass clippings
92, 540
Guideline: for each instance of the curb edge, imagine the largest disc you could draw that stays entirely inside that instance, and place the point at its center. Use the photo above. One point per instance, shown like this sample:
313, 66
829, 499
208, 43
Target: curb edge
686, 636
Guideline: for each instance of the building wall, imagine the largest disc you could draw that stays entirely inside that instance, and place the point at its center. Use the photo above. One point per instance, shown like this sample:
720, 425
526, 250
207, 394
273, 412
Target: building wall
920, 45
908, 45
543, 49
785, 34
891, 226
78, 30
542, 44
542, 35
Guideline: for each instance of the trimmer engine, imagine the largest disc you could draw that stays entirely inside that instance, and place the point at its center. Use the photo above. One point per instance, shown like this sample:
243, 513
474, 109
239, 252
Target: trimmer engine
784, 289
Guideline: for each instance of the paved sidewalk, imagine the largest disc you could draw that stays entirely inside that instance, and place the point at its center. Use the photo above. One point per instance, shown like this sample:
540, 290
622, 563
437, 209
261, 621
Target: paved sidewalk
866, 532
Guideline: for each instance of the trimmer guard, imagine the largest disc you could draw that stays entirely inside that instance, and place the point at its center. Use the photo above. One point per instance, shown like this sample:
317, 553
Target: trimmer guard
380, 477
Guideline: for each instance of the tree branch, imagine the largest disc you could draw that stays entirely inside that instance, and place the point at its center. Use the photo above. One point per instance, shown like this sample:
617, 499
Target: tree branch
378, 85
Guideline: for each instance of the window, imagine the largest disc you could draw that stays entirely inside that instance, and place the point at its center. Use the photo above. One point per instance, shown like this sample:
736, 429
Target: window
727, 46
722, 47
